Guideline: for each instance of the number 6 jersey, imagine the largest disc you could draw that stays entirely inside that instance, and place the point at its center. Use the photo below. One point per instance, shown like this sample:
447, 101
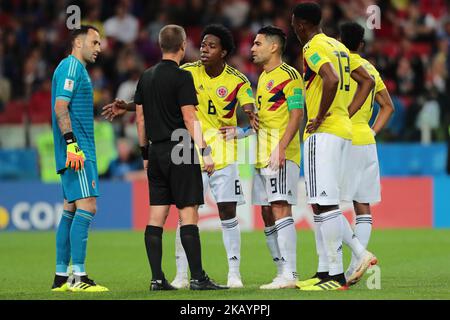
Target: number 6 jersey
218, 99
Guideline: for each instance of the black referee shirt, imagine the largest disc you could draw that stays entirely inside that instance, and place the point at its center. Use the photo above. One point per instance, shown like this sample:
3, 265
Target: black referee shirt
162, 90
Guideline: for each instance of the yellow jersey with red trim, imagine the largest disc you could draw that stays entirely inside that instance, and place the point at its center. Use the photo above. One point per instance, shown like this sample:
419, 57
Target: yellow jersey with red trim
361, 132
218, 99
319, 50
278, 92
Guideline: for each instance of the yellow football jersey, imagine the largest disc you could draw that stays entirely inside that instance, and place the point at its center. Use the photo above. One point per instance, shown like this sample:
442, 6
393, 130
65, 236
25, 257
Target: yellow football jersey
361, 132
218, 99
278, 91
318, 51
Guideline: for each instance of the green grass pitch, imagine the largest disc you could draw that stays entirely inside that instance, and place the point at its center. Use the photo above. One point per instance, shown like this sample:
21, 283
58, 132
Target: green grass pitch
413, 264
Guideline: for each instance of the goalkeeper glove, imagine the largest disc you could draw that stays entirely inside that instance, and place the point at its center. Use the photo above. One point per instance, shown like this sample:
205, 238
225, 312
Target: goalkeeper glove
75, 156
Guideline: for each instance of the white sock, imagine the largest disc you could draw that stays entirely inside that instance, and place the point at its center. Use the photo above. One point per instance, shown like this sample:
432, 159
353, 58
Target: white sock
351, 240
180, 257
62, 274
332, 233
272, 243
287, 242
320, 247
363, 228
231, 234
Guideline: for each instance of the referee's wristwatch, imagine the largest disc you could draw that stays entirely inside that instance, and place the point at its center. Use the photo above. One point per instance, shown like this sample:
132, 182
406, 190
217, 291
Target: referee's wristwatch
205, 151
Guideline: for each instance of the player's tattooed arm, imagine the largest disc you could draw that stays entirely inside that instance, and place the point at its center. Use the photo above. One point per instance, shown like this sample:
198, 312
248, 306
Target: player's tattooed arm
62, 116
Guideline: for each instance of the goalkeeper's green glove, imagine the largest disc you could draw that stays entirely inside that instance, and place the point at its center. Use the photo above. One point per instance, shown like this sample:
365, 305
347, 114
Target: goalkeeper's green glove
75, 156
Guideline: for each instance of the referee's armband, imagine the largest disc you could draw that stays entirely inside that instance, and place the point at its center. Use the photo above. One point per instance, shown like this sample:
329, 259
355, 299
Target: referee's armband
296, 101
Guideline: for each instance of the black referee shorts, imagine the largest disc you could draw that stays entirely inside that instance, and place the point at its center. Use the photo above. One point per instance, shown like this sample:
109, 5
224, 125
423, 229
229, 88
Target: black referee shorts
170, 183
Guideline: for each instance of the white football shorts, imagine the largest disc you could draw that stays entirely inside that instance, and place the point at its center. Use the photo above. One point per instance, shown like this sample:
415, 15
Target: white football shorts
225, 184
279, 185
362, 175
325, 158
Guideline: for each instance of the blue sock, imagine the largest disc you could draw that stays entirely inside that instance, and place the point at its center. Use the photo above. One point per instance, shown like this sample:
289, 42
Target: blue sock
63, 243
78, 240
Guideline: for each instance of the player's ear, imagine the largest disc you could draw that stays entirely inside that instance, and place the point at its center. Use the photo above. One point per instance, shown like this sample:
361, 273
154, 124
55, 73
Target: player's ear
78, 42
274, 47
223, 54
362, 44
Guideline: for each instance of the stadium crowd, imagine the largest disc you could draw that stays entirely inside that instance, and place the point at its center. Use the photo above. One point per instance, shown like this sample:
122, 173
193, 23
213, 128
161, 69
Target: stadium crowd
410, 50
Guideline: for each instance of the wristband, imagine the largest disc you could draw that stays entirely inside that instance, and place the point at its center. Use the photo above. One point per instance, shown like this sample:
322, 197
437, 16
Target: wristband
244, 132
373, 132
205, 151
69, 137
144, 152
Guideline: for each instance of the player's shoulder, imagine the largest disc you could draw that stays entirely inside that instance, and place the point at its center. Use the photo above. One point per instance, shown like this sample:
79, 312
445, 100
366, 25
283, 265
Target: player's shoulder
368, 66
364, 63
291, 72
235, 73
68, 67
191, 65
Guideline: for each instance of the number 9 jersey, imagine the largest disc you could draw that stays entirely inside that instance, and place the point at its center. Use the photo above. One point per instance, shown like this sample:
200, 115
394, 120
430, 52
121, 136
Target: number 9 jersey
318, 51
218, 99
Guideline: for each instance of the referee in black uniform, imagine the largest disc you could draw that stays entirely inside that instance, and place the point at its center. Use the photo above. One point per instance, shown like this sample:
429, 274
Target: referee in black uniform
165, 104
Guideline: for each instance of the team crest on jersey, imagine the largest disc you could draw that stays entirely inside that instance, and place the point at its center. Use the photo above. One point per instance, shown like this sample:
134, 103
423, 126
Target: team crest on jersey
269, 85
93, 184
222, 92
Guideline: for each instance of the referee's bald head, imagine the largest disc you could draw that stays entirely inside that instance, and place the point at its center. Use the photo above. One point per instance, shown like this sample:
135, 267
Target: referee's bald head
171, 38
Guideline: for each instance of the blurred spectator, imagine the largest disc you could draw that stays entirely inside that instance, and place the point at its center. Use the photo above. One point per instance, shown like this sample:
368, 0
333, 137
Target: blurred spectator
420, 26
127, 88
127, 166
40, 102
428, 117
236, 12
93, 19
123, 27
410, 50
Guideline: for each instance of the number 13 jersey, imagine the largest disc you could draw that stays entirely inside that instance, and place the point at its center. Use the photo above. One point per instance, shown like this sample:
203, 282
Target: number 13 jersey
318, 51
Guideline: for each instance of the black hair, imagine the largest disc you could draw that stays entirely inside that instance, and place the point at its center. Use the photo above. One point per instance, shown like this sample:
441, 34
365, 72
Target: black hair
272, 31
352, 34
309, 11
225, 36
82, 30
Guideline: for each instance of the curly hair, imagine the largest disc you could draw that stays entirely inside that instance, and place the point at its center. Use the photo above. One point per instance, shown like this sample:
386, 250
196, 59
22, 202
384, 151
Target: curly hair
225, 36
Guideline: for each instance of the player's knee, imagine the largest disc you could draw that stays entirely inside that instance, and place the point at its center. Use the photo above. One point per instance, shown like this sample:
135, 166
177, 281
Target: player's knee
157, 220
189, 215
361, 208
281, 209
323, 209
87, 204
69, 206
267, 215
227, 210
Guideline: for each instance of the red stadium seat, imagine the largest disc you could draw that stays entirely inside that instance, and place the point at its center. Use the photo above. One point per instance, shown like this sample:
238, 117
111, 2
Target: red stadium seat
14, 112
